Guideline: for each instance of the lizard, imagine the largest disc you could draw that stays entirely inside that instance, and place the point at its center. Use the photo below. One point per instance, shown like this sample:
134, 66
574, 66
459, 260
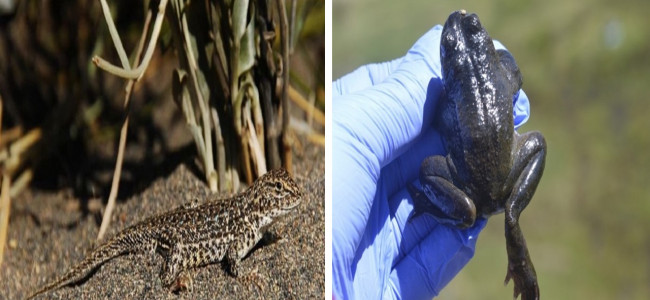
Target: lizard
194, 234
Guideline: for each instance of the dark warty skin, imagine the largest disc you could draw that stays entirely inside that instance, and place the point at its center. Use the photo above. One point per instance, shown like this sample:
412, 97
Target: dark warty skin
489, 168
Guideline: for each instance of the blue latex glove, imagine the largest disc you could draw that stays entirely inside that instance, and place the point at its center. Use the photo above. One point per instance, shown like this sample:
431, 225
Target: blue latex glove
382, 130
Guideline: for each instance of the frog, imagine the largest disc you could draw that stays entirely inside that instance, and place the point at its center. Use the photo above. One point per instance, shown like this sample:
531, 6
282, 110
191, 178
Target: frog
489, 167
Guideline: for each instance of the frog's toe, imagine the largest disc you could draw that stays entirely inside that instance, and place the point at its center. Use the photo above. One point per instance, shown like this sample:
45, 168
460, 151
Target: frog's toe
467, 221
524, 285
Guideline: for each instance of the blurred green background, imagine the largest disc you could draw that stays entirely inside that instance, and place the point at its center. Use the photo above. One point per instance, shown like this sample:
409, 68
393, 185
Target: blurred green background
586, 68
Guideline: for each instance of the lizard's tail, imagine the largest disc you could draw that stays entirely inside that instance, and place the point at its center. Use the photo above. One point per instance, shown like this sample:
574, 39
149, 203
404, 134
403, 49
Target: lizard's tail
120, 244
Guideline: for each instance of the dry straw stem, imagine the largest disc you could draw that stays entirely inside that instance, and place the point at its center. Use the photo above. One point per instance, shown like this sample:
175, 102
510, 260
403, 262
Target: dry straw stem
201, 134
14, 156
5, 204
258, 155
17, 156
243, 91
304, 127
221, 152
125, 71
286, 138
10, 135
21, 182
12, 159
300, 126
110, 206
312, 112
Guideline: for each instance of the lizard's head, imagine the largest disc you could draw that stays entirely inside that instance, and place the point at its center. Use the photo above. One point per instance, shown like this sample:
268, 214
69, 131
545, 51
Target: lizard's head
276, 192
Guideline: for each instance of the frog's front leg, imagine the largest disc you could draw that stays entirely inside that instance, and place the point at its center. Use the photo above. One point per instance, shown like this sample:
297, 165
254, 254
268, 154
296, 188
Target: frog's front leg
441, 198
528, 166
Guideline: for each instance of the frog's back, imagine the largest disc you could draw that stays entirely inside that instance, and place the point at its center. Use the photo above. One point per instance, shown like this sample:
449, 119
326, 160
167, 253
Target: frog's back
480, 83
480, 141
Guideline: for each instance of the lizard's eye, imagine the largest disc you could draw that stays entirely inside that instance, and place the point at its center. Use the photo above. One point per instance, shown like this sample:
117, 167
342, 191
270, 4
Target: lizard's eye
278, 186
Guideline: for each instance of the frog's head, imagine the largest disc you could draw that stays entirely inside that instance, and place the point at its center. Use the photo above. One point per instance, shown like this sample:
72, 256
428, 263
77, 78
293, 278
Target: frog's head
465, 46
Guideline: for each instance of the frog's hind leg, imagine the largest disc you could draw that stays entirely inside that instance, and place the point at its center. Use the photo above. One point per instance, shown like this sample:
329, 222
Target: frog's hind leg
527, 170
440, 197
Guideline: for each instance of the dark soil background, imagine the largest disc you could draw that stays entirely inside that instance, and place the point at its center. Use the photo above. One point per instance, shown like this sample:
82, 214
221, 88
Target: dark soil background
50, 232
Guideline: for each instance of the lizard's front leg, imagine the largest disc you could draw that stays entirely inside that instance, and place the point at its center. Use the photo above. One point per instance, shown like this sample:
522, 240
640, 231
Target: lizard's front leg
240, 247
170, 245
172, 265
180, 260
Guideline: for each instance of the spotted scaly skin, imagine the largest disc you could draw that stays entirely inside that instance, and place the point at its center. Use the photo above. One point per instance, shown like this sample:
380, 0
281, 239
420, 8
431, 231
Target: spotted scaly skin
195, 234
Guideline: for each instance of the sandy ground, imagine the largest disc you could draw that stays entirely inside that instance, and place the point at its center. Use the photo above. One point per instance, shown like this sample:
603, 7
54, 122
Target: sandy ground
49, 232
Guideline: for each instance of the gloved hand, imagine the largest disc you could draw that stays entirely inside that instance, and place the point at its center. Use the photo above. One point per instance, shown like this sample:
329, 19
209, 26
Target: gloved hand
382, 119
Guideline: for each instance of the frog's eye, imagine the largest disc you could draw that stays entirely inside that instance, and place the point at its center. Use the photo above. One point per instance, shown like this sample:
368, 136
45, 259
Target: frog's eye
473, 25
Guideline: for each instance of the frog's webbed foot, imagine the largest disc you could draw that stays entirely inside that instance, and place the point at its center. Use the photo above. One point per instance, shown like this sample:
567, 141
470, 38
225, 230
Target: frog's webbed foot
439, 197
525, 286
527, 171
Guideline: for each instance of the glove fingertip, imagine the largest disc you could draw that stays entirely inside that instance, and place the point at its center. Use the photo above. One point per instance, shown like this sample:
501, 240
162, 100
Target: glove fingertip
521, 109
498, 45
